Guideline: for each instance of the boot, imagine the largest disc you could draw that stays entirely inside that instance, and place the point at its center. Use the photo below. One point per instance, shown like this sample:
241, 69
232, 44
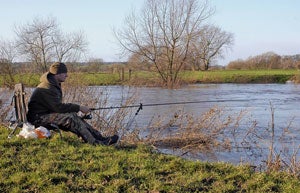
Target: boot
95, 133
110, 140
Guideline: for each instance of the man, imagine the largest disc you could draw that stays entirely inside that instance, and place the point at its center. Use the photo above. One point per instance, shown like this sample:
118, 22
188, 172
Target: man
45, 107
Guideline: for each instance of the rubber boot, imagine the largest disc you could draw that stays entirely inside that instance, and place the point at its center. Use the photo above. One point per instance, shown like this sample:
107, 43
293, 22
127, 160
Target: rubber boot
111, 140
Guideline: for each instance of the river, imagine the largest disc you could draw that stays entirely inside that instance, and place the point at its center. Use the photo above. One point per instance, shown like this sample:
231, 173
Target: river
256, 99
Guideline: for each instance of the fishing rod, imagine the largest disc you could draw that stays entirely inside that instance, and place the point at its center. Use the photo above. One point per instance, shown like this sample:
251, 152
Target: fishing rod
141, 105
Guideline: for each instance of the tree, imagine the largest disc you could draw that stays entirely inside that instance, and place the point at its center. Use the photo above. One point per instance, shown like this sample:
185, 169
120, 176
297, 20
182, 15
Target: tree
94, 64
138, 62
162, 34
69, 47
7, 56
42, 42
210, 44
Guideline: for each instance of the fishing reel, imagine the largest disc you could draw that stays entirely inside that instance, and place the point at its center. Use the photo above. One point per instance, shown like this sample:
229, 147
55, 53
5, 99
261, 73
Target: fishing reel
87, 116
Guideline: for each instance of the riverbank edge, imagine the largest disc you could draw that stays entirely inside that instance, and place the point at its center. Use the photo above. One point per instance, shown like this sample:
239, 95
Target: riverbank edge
152, 79
69, 165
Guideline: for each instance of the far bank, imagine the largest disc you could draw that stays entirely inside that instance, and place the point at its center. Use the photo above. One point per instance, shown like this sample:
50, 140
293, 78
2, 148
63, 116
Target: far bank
145, 78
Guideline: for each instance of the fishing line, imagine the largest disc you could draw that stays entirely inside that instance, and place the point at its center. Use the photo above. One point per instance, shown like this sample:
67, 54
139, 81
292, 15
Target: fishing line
141, 105
129, 123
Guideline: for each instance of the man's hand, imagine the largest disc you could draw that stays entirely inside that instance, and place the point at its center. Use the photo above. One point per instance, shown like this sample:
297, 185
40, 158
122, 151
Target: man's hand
85, 109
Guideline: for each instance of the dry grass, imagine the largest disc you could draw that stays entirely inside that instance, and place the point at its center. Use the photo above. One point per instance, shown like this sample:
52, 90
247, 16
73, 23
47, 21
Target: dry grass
108, 121
216, 129
182, 130
208, 132
276, 147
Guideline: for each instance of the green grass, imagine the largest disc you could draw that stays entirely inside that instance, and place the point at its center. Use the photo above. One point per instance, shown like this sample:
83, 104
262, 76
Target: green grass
93, 79
239, 76
143, 78
90, 79
68, 165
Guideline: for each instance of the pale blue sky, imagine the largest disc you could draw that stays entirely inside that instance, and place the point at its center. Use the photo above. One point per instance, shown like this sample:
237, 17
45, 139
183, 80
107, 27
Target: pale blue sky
258, 25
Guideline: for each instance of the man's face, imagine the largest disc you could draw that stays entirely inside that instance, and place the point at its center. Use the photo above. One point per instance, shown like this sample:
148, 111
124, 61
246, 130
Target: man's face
61, 77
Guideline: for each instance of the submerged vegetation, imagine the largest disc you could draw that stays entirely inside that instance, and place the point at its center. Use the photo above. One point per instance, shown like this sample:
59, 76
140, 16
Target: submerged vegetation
136, 164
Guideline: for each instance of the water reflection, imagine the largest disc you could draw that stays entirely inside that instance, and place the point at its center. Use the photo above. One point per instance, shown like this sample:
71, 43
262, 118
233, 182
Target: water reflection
256, 99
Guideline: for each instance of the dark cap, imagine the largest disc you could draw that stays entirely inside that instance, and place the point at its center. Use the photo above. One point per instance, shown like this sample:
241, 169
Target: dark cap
58, 68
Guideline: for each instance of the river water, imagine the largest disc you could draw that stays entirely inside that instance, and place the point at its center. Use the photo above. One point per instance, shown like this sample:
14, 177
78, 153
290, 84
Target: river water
255, 99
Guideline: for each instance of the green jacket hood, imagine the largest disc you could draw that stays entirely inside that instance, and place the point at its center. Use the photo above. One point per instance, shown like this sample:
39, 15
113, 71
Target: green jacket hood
47, 80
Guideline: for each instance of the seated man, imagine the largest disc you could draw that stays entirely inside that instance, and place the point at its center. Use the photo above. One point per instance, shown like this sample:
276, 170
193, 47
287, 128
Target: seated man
45, 107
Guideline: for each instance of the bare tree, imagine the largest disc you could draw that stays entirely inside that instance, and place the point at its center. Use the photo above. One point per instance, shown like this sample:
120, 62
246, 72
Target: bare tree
162, 34
35, 41
95, 64
209, 45
137, 62
7, 56
69, 47
268, 60
42, 42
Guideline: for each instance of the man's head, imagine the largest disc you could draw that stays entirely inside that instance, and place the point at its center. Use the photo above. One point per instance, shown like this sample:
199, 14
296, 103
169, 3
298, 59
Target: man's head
59, 70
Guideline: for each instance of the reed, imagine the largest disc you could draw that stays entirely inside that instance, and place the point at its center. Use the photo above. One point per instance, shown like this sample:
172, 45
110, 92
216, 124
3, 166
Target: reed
71, 166
275, 147
214, 130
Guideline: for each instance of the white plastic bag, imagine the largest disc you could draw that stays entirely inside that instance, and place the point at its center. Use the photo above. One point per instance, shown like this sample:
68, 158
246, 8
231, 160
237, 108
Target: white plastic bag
27, 131
30, 132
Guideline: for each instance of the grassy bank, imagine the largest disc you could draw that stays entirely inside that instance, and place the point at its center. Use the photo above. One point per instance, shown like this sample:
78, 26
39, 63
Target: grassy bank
240, 76
33, 80
67, 165
149, 78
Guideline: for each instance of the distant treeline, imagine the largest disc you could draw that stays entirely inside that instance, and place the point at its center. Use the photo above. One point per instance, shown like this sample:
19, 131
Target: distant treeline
269, 60
92, 66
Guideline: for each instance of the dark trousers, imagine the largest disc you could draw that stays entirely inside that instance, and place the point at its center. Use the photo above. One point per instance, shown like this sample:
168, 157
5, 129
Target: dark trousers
73, 123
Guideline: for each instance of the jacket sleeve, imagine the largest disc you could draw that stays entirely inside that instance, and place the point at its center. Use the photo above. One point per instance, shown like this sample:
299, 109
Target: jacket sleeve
53, 102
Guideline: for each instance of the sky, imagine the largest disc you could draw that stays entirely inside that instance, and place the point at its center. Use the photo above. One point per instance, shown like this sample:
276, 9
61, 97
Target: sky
258, 26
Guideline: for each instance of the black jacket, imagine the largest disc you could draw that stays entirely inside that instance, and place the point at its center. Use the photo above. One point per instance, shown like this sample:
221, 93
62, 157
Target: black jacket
47, 98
